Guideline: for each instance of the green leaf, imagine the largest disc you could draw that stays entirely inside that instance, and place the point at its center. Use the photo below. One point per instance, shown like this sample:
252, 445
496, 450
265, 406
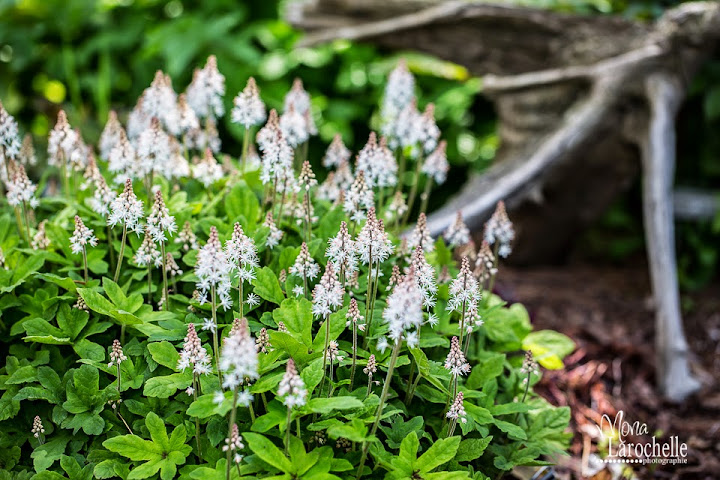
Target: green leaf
489, 366
266, 383
409, 448
267, 285
327, 405
89, 350
242, 202
41, 331
96, 302
472, 448
71, 320
511, 429
268, 452
156, 427
23, 270
297, 316
163, 387
312, 375
442, 451
203, 407
549, 347
114, 292
165, 354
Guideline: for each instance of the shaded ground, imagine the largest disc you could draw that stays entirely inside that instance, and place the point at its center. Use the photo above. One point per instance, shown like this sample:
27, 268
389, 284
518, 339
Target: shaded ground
608, 312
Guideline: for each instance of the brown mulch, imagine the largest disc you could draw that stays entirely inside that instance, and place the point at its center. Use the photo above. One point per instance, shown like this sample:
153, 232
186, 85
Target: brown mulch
608, 312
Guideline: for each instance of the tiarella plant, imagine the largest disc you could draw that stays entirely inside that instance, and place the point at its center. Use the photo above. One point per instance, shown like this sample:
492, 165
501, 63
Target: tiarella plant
296, 329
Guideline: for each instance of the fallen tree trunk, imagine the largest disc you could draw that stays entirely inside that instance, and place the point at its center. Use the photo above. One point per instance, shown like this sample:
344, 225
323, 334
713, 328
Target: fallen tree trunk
582, 103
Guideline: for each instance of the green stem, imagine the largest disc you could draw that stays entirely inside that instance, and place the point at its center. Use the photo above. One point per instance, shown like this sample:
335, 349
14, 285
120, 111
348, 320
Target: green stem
119, 378
287, 432
85, 268
215, 333
166, 302
383, 397
27, 225
413, 190
327, 342
149, 275
426, 195
243, 158
401, 171
354, 359
196, 385
110, 241
233, 415
121, 254
367, 298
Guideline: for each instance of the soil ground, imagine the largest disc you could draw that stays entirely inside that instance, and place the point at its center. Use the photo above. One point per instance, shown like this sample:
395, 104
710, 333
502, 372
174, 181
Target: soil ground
608, 312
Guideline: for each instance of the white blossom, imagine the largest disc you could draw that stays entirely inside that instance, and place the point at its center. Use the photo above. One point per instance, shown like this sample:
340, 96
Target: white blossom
458, 233
148, 254
336, 153
20, 190
275, 235
464, 291
373, 243
213, 270
292, 388
81, 237
455, 361
193, 355
248, 109
208, 170
122, 160
110, 135
420, 236
342, 252
160, 222
116, 354
238, 357
500, 229
205, 93
304, 266
359, 199
242, 254
127, 210
327, 294
403, 312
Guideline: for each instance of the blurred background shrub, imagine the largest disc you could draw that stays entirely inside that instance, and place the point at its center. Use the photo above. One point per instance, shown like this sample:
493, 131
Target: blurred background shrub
90, 56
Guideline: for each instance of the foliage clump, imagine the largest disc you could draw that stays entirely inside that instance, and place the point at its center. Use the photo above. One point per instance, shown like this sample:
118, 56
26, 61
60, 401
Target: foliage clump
279, 331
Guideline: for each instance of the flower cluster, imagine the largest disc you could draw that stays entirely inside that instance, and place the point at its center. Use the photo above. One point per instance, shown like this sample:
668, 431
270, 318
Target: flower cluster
160, 222
193, 355
328, 293
458, 233
341, 251
238, 358
403, 313
455, 361
292, 388
116, 354
248, 109
81, 237
213, 271
242, 254
500, 229
234, 443
127, 210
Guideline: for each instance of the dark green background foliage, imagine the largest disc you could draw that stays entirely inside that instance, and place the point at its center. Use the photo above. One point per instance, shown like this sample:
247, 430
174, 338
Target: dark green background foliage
93, 55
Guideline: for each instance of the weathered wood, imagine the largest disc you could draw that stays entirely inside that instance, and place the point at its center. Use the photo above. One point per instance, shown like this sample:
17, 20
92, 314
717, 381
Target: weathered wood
658, 160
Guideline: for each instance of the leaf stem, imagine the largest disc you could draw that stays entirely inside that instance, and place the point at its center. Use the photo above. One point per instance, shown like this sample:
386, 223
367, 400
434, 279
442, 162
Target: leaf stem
383, 397
121, 253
